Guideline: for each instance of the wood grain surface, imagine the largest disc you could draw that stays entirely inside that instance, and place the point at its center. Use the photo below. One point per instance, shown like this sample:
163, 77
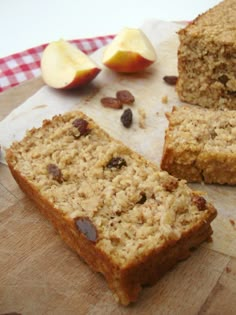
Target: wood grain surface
39, 274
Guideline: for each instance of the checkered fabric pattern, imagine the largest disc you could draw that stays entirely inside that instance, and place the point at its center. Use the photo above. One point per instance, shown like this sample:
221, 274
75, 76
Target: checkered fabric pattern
25, 65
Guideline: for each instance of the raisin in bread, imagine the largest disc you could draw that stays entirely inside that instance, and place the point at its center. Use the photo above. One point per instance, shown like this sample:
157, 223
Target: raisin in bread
127, 219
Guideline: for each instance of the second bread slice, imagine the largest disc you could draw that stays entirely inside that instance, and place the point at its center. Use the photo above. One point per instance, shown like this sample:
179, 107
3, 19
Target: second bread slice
200, 145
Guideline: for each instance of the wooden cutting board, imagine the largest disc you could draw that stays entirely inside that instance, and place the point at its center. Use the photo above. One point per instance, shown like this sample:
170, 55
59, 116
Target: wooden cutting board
39, 274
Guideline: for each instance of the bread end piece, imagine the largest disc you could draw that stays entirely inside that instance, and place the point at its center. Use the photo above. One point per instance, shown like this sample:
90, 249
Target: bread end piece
206, 58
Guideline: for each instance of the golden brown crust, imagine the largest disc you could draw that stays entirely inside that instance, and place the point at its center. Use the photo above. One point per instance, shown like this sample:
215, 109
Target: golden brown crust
124, 280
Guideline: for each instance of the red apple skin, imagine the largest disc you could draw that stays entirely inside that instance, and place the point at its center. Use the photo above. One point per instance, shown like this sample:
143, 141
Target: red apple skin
81, 79
64, 66
128, 62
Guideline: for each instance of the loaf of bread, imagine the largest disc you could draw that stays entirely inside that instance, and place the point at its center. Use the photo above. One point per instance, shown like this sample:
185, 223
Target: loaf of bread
127, 219
200, 145
206, 58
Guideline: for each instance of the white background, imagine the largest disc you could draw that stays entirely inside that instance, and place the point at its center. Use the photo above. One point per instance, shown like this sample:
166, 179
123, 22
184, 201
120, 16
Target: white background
28, 23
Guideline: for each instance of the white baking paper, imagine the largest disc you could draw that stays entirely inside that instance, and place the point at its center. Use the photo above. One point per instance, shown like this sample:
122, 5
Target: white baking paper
147, 87
146, 135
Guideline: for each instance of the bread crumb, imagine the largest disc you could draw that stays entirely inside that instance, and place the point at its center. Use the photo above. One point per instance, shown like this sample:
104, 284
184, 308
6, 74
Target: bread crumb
142, 117
228, 270
164, 99
232, 222
91, 95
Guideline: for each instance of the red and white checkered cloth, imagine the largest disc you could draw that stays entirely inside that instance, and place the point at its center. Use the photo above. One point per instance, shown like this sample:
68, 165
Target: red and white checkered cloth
25, 65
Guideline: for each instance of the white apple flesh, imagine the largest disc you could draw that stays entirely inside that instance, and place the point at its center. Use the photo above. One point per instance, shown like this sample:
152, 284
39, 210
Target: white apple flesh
130, 51
64, 66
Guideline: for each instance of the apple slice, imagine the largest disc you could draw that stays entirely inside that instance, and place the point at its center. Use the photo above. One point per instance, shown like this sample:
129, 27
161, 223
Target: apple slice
130, 51
64, 66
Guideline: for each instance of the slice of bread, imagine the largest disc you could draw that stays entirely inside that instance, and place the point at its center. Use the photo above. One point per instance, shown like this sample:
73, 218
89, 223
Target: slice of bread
127, 219
200, 145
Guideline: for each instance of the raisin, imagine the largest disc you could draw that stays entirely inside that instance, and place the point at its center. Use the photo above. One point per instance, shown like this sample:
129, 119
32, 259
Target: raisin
223, 79
82, 126
125, 97
111, 102
55, 172
118, 212
170, 79
212, 133
116, 162
127, 118
142, 199
200, 202
232, 93
86, 227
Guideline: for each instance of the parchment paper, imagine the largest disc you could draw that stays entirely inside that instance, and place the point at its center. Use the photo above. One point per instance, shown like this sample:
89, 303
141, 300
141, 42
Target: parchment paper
146, 135
147, 87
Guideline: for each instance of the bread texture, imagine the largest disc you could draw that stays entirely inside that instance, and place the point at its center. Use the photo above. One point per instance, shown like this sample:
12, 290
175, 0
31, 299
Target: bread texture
206, 58
127, 219
200, 145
